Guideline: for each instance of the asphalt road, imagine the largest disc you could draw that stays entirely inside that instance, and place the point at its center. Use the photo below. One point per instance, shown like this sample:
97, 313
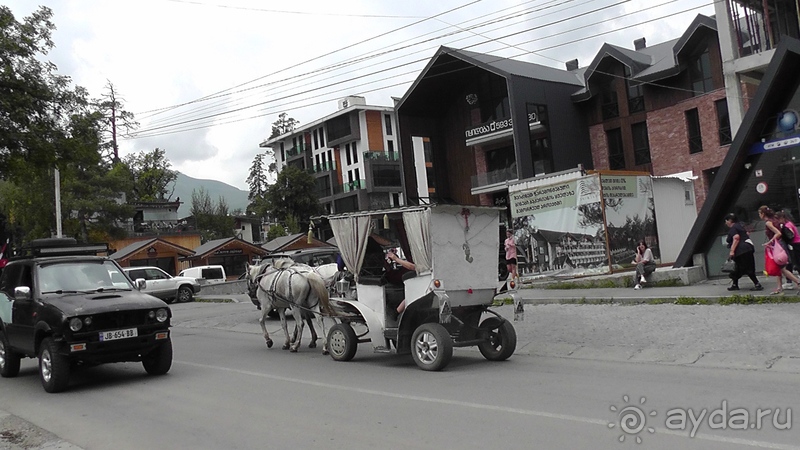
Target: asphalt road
227, 390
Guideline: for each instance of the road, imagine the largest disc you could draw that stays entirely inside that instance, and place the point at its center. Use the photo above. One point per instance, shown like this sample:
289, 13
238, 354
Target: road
227, 390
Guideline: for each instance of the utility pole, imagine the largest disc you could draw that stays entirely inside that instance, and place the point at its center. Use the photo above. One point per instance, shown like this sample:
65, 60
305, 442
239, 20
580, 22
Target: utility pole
58, 203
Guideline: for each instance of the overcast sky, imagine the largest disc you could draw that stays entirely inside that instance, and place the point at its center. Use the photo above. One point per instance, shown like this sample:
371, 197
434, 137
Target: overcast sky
207, 78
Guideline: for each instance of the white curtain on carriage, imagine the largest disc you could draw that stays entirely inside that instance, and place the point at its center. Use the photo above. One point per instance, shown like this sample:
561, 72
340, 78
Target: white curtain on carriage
351, 237
418, 231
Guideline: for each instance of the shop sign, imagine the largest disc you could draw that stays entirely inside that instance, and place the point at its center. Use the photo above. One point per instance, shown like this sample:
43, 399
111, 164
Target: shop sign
229, 251
497, 125
546, 198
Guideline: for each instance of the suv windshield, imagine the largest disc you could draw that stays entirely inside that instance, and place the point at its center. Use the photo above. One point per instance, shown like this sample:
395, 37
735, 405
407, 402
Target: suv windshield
81, 276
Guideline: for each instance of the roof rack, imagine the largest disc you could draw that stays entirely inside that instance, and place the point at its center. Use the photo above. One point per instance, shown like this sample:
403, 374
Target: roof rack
61, 247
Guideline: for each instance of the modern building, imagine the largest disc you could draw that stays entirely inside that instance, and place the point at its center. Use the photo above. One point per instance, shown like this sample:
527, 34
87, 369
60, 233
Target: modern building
470, 123
353, 153
661, 109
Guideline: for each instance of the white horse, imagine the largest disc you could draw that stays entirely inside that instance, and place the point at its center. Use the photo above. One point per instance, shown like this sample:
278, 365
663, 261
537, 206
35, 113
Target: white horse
282, 286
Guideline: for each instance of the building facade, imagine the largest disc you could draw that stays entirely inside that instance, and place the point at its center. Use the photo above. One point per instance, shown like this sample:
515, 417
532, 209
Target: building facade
353, 153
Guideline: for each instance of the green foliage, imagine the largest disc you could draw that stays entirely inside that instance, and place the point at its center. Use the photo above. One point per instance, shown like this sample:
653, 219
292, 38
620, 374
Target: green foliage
283, 125
212, 220
292, 224
293, 194
152, 176
276, 231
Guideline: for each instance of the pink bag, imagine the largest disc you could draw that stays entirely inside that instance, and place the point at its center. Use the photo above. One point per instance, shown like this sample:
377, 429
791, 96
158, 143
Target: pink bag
779, 255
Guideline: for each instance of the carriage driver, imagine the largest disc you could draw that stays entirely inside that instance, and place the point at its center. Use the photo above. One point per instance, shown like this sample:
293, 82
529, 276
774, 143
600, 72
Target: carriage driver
396, 268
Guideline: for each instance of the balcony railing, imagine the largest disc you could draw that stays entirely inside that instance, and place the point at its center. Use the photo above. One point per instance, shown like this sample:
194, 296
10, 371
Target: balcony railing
494, 177
294, 151
351, 186
381, 156
327, 166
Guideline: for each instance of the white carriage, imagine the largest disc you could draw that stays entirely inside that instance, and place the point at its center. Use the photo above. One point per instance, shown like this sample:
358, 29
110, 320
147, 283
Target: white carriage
447, 296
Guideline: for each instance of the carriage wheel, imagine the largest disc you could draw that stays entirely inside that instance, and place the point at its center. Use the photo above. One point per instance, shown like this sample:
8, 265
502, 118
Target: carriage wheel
432, 347
342, 342
501, 341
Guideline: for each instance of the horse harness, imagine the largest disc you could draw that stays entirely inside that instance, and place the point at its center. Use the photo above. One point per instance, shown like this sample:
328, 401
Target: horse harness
273, 291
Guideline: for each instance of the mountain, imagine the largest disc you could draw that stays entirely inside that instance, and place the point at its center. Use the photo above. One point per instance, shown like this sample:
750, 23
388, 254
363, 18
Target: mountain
235, 197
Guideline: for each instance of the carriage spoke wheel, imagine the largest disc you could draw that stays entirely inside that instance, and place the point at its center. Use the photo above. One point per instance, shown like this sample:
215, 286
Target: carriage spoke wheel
342, 342
501, 340
432, 347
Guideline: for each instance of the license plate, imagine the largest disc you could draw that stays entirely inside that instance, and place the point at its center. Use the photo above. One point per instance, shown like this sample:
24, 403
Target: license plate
118, 334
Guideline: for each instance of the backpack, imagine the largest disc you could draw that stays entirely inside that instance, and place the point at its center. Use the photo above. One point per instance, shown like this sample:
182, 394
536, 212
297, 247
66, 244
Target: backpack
787, 234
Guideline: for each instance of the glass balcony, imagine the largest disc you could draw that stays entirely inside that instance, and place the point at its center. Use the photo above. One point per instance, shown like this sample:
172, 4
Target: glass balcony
327, 166
494, 177
297, 150
381, 156
349, 187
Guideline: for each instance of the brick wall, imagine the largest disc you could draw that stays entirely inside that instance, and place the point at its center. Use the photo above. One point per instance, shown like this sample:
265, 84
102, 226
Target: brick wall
599, 147
669, 141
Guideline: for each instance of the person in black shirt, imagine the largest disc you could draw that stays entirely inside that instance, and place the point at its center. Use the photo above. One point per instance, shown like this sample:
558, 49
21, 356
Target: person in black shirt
742, 252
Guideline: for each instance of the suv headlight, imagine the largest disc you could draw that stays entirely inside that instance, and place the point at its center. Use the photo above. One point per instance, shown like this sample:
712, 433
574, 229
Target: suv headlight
75, 324
162, 315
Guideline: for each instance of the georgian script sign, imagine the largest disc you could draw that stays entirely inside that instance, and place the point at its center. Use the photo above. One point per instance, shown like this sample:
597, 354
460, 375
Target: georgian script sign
229, 251
497, 125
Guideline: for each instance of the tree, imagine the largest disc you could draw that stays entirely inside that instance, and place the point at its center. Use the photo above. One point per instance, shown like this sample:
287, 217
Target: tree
115, 117
212, 221
283, 125
152, 176
275, 231
293, 194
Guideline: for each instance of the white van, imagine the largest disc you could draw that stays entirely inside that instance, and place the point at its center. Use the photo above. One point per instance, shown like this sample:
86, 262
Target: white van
205, 274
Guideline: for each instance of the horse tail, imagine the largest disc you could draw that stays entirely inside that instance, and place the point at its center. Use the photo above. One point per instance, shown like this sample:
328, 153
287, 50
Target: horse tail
318, 285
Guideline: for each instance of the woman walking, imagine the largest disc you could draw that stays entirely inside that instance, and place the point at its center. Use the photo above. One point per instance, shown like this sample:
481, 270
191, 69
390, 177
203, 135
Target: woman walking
742, 252
794, 243
774, 239
511, 253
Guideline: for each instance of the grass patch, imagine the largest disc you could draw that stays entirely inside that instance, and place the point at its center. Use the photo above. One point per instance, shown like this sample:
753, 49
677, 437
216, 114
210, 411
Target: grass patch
672, 282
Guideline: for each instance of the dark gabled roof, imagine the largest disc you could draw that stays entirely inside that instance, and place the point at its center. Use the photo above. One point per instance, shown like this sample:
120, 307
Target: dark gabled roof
136, 246
504, 67
210, 246
650, 63
771, 95
280, 242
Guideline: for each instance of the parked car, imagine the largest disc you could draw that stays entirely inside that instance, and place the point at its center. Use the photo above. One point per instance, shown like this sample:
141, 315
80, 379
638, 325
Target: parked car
70, 308
163, 285
205, 274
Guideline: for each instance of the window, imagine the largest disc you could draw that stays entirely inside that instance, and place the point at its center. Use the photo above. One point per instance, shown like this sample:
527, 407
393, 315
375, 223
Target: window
641, 144
723, 122
318, 162
391, 148
347, 152
322, 137
616, 152
635, 93
316, 140
608, 98
283, 153
388, 120
693, 130
358, 175
355, 153
700, 73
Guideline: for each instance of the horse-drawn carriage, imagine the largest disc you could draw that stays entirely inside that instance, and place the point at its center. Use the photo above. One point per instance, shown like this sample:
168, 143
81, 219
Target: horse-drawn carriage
446, 297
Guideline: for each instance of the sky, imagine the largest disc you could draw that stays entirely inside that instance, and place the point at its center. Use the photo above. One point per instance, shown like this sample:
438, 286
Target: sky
207, 78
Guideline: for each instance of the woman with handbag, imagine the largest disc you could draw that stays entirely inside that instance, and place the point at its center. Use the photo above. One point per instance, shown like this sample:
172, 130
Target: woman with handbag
791, 237
776, 251
742, 253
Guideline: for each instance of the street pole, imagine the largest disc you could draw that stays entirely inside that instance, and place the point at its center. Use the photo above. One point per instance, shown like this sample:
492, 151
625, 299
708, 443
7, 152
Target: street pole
58, 203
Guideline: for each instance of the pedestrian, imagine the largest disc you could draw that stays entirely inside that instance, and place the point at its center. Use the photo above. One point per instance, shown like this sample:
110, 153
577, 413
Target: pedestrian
773, 233
511, 253
792, 239
645, 265
742, 253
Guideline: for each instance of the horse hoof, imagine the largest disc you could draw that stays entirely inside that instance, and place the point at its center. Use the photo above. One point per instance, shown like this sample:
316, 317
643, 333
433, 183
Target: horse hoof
312, 345
285, 347
325, 352
269, 344
293, 350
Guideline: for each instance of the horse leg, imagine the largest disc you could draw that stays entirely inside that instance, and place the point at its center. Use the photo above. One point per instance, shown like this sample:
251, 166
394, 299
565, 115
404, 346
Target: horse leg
262, 320
314, 337
299, 323
282, 315
321, 320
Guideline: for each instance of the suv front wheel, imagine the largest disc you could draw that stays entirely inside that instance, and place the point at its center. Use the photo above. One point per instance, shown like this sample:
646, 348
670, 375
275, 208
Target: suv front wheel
53, 368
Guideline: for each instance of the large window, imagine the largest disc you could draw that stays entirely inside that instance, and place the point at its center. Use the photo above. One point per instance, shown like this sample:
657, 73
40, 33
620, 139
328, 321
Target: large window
338, 127
608, 97
635, 93
700, 73
641, 143
723, 122
386, 176
388, 120
693, 131
616, 152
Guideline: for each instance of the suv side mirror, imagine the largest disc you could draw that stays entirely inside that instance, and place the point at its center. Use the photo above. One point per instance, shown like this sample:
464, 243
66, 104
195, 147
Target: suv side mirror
22, 293
140, 283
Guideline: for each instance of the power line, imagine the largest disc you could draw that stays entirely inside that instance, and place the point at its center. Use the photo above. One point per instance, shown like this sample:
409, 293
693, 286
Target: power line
305, 13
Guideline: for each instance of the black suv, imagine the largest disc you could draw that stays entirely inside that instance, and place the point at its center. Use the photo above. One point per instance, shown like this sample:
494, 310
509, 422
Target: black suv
65, 305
